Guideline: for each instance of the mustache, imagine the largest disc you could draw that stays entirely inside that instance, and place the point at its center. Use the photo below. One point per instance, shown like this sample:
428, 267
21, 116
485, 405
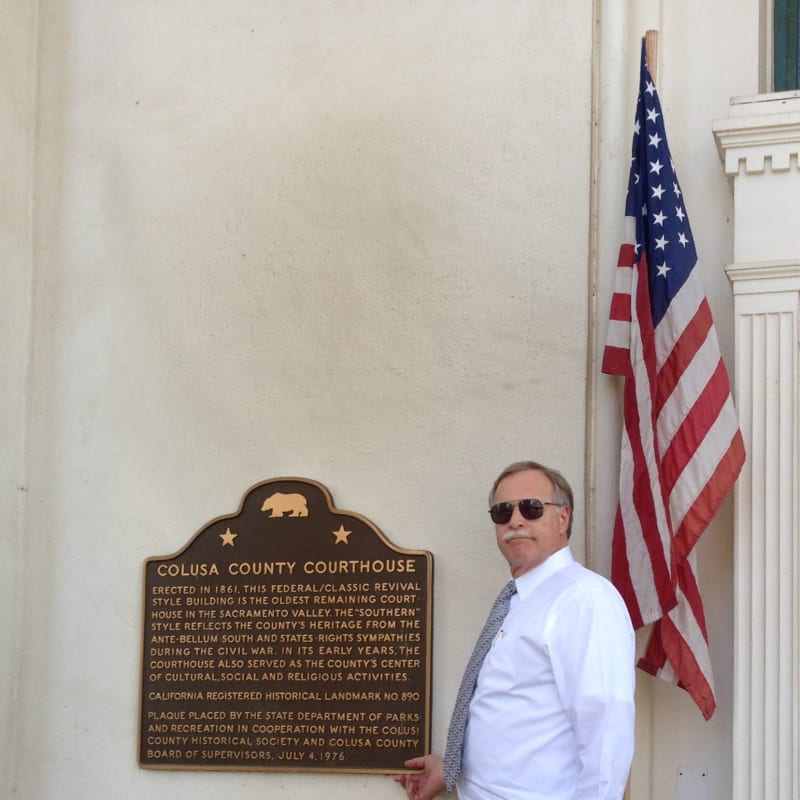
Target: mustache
510, 535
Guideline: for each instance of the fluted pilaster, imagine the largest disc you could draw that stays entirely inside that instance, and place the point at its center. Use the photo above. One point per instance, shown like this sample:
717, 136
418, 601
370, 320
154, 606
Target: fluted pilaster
759, 145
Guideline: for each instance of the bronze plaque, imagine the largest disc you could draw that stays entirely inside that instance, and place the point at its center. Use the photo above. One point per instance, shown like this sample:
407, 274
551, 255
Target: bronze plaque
289, 636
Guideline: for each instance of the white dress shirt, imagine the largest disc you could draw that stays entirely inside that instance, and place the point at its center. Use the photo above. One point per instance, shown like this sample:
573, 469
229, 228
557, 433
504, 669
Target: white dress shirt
552, 716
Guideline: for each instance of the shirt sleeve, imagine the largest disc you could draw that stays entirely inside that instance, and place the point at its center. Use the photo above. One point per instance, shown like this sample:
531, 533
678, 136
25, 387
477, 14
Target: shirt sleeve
592, 651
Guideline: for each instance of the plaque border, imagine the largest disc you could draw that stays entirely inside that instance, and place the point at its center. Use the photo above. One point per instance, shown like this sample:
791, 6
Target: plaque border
426, 728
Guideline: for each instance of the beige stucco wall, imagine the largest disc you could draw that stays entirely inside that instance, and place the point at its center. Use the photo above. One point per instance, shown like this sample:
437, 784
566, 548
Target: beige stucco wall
318, 239
697, 72
339, 240
17, 100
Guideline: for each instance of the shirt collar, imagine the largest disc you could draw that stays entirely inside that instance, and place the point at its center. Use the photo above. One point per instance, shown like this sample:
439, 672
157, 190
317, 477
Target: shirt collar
529, 580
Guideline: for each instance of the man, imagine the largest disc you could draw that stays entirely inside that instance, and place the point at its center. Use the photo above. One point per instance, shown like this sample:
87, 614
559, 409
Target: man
552, 714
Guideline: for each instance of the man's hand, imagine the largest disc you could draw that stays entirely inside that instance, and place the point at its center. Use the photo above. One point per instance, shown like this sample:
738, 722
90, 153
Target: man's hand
425, 784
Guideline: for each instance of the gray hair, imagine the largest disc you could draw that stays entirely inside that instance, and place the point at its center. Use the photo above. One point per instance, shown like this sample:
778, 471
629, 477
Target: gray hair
562, 491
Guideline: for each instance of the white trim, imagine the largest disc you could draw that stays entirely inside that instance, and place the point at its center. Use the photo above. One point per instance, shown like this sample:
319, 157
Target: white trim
766, 734
759, 130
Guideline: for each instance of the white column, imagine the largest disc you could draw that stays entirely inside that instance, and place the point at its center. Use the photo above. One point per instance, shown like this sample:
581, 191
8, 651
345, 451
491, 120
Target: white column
759, 144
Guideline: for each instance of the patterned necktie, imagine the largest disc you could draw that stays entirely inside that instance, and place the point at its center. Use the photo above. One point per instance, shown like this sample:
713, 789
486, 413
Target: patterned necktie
458, 722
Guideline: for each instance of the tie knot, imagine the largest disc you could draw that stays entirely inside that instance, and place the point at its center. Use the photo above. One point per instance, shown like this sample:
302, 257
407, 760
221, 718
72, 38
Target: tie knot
508, 591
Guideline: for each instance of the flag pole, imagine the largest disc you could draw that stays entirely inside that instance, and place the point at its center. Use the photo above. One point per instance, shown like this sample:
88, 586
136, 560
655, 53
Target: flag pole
651, 52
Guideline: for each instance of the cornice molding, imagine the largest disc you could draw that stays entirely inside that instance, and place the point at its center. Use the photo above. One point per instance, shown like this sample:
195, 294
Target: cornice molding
760, 129
764, 277
760, 270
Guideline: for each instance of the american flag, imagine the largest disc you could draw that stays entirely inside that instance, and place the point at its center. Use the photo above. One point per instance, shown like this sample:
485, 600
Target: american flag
681, 445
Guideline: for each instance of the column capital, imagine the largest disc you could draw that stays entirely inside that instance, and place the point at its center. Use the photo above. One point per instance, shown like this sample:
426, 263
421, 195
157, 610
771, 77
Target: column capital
760, 128
758, 277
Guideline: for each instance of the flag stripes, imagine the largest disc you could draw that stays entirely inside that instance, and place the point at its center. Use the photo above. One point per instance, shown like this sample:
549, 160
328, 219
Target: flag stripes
681, 447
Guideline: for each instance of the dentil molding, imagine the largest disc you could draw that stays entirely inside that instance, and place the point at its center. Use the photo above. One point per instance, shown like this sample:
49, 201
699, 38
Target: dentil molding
761, 128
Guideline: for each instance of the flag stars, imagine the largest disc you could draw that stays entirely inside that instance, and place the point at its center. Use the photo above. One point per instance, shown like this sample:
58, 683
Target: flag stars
657, 192
676, 189
656, 166
650, 88
661, 243
679, 213
682, 239
662, 270
652, 115
655, 140
658, 219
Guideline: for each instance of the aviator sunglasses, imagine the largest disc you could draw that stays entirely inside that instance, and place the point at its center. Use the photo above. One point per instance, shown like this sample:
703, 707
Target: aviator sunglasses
532, 508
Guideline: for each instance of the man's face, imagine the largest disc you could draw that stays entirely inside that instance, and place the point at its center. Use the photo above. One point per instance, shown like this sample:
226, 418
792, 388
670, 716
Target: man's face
526, 543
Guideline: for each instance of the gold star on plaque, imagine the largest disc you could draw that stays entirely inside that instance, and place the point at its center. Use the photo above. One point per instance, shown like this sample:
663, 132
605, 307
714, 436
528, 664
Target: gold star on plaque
341, 535
228, 537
